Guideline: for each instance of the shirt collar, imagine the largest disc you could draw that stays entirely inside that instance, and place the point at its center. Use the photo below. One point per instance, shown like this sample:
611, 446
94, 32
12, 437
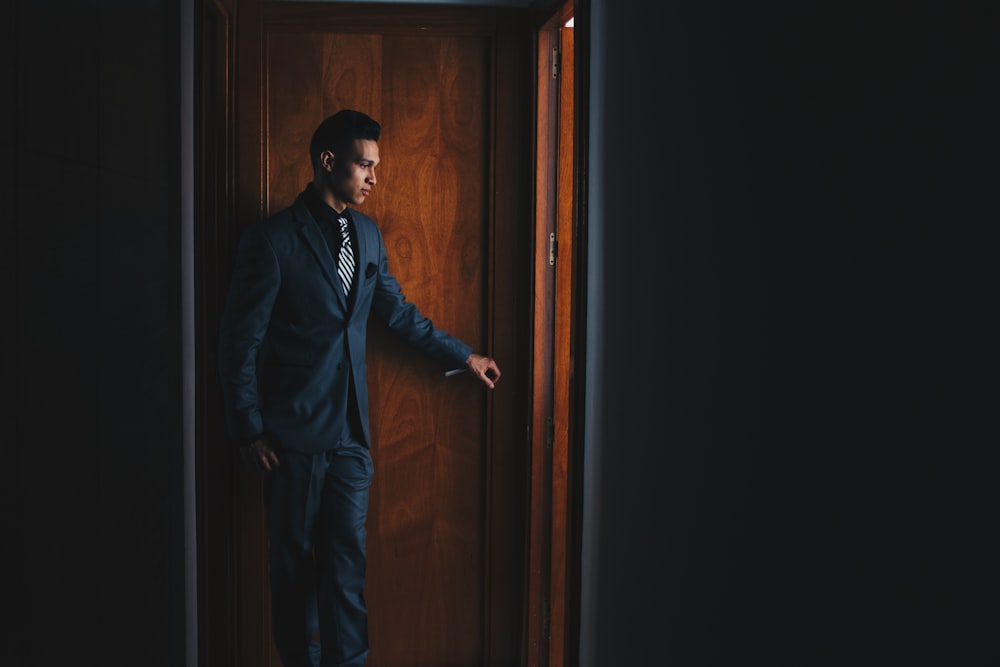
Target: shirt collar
321, 211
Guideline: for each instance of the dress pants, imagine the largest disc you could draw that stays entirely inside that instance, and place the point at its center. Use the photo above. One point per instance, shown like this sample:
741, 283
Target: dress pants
316, 506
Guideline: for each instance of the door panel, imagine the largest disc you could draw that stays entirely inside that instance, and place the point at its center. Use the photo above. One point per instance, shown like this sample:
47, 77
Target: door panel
551, 585
446, 540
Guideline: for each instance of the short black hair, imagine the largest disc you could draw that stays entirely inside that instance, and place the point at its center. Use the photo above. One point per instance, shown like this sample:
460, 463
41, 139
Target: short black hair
339, 131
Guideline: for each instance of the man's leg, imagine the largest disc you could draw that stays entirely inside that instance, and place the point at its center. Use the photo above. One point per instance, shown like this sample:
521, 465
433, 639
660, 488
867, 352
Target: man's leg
341, 558
292, 501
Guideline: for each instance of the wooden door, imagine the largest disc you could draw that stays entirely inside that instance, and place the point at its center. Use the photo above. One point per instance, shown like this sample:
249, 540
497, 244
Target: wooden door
552, 587
446, 528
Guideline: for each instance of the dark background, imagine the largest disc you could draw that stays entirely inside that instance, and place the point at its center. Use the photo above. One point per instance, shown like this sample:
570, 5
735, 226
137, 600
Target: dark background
797, 453
791, 457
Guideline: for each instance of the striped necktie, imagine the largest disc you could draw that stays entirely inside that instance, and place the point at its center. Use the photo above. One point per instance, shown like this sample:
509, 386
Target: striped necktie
345, 258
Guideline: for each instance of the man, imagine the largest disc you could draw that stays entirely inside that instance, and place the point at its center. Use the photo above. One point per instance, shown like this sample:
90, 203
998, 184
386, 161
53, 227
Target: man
292, 358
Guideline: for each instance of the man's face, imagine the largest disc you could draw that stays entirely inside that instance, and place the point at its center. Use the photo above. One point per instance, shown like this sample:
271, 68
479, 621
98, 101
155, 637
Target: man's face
350, 175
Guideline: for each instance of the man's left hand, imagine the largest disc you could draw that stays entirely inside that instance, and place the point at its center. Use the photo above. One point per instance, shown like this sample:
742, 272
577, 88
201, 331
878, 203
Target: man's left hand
484, 369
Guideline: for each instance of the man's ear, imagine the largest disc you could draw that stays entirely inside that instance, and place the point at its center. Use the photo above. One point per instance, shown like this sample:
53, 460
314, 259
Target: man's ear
326, 159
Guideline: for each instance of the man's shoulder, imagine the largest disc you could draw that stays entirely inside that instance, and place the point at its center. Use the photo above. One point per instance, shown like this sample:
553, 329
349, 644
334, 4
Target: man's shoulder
289, 212
285, 219
359, 215
279, 229
362, 220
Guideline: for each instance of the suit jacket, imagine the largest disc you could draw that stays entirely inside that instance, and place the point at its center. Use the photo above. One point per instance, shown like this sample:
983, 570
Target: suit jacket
290, 343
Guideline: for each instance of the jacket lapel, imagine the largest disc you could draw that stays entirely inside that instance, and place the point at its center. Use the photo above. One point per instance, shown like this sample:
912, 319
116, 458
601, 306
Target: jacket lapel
310, 232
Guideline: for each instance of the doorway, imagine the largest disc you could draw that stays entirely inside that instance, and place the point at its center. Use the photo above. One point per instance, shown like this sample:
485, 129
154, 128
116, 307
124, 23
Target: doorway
474, 520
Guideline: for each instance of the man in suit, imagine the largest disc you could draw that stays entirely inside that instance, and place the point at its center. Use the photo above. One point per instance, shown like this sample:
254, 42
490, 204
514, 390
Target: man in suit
292, 358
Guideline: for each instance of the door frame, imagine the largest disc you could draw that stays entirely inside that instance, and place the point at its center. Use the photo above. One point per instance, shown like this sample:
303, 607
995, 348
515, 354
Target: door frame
553, 506
559, 316
231, 541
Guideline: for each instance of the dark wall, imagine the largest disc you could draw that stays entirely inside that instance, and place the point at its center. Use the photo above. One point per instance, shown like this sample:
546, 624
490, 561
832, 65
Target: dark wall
792, 458
92, 498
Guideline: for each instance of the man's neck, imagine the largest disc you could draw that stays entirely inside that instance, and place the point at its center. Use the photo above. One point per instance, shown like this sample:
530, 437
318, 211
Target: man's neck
326, 196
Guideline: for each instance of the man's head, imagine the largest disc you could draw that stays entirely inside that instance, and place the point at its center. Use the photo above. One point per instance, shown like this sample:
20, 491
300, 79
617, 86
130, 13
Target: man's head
344, 153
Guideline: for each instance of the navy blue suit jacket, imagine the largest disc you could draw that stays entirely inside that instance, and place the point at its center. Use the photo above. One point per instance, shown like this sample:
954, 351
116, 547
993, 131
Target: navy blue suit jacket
290, 343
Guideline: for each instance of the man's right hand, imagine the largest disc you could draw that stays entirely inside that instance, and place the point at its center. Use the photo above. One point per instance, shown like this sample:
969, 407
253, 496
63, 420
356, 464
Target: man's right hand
259, 455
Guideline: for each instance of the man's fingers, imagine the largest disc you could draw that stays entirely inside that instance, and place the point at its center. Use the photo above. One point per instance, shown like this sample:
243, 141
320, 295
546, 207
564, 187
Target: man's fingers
270, 459
258, 456
489, 378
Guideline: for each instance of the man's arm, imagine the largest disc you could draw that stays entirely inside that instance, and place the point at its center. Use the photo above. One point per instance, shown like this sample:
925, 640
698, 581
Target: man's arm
245, 317
406, 321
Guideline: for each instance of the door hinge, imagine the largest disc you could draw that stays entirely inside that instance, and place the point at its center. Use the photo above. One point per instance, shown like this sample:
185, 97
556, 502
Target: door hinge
553, 249
555, 62
550, 432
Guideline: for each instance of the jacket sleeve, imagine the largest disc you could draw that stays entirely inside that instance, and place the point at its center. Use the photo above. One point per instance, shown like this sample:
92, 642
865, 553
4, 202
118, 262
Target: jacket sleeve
404, 319
245, 318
